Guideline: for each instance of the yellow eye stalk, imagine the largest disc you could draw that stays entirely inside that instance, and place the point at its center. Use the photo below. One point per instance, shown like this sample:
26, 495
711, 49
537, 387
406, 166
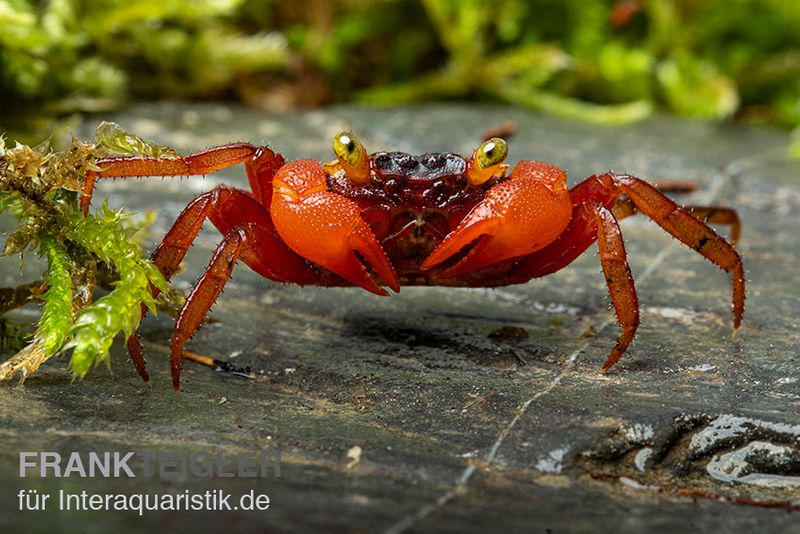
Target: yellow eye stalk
487, 161
352, 157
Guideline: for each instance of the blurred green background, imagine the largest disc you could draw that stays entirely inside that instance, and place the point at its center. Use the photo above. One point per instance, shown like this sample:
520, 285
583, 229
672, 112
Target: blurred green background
609, 61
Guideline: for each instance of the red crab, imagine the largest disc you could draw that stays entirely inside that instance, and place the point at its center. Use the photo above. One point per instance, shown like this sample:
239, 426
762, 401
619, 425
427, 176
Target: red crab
392, 219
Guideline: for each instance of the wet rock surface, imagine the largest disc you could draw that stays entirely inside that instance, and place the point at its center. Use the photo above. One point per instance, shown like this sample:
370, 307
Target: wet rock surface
471, 408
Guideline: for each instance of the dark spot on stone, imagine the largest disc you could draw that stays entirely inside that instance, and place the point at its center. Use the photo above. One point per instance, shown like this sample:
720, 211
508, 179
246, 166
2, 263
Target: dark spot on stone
509, 333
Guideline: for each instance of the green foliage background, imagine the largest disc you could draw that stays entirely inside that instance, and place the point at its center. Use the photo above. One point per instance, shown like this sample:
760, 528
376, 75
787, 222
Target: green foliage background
611, 61
608, 61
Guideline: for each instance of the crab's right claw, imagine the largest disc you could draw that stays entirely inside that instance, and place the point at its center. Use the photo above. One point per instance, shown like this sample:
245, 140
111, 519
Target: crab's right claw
327, 228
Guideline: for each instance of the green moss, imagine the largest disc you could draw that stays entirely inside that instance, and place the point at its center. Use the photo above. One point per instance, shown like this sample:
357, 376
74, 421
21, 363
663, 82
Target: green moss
118, 311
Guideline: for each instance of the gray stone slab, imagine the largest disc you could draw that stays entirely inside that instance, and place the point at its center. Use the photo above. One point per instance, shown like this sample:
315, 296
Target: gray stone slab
456, 433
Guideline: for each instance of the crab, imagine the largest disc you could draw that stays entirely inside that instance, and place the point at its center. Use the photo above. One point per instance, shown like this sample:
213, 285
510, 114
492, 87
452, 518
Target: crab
391, 219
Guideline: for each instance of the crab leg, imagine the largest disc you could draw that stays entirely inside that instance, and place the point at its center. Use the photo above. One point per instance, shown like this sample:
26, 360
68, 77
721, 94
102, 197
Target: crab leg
203, 162
518, 216
592, 221
719, 215
708, 214
228, 209
261, 170
689, 230
203, 295
614, 261
327, 228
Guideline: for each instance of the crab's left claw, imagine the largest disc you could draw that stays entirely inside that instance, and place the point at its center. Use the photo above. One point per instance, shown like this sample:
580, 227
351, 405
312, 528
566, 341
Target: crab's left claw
518, 216
327, 228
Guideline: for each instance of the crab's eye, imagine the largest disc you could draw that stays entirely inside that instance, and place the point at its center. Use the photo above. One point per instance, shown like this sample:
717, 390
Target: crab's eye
492, 152
352, 157
487, 161
347, 148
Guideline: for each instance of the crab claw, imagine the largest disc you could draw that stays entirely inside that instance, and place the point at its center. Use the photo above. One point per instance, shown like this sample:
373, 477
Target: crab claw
518, 216
327, 228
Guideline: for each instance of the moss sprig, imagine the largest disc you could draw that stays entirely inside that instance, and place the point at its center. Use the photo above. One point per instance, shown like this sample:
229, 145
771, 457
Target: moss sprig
56, 321
118, 311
